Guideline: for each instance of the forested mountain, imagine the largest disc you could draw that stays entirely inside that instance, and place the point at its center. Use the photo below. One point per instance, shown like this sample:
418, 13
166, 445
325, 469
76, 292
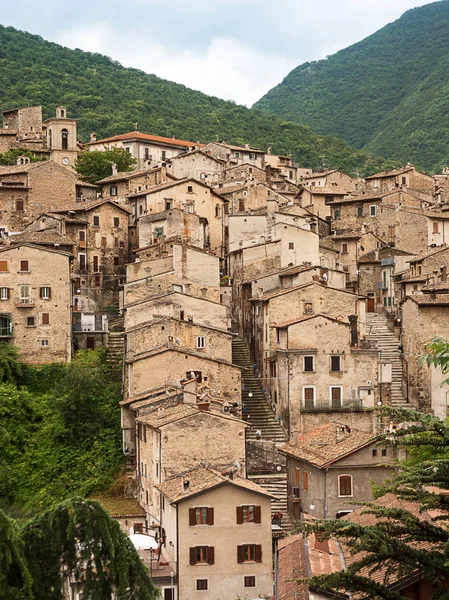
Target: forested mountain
388, 94
110, 99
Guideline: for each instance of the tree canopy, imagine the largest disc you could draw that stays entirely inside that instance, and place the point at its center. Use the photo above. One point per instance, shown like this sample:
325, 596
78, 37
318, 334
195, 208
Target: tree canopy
96, 165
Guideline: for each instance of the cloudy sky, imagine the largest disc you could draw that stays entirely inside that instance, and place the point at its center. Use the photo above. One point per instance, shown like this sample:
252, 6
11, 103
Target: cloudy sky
233, 49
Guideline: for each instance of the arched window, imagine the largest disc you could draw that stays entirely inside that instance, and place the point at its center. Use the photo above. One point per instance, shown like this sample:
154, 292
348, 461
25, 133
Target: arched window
345, 485
62, 114
65, 139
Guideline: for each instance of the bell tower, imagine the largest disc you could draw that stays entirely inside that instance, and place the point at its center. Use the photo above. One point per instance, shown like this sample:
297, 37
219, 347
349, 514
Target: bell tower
61, 138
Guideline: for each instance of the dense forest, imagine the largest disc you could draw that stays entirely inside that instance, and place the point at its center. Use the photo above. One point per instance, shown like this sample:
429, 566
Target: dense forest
110, 99
387, 94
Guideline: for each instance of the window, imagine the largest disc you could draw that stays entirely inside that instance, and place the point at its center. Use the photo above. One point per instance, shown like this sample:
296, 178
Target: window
116, 221
248, 514
64, 139
116, 242
44, 343
328, 199
96, 221
404, 180
360, 211
217, 210
250, 581
344, 248
335, 363
30, 322
19, 205
45, 293
163, 154
3, 266
190, 188
226, 208
116, 261
308, 397
113, 191
374, 451
249, 553
336, 214
308, 363
24, 292
201, 584
45, 318
435, 227
201, 515
384, 452
97, 281
241, 205
391, 230
24, 266
291, 246
308, 308
82, 262
4, 293
336, 396
372, 210
201, 342
202, 555
305, 481
345, 485
168, 205
236, 154
141, 210
95, 263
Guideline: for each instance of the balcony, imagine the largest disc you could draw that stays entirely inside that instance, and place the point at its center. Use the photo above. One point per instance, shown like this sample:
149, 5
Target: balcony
25, 303
326, 405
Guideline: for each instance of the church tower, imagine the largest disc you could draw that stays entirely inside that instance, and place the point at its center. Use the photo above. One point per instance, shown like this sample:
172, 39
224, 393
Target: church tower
61, 138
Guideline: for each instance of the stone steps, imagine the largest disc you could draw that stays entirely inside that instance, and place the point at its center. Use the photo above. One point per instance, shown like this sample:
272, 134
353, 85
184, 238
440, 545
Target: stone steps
277, 486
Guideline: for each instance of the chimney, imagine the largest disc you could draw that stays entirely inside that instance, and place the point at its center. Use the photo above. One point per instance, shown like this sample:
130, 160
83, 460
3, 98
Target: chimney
321, 544
354, 331
93, 136
204, 406
114, 169
342, 432
189, 391
185, 484
269, 151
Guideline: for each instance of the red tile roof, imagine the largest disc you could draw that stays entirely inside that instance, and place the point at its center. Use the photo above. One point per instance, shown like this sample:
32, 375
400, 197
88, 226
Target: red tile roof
145, 137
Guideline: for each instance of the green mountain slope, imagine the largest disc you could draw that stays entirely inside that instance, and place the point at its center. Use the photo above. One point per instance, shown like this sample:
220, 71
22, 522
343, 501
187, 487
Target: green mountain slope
387, 93
110, 99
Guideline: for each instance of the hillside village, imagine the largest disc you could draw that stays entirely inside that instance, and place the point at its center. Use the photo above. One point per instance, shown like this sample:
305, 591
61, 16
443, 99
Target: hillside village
260, 309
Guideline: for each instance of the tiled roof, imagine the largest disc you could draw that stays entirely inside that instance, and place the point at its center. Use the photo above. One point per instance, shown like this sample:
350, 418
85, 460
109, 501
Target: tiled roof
427, 300
36, 247
365, 197
291, 568
443, 248
324, 190
307, 318
90, 205
384, 252
164, 186
144, 137
202, 479
327, 444
49, 237
196, 151
320, 174
124, 175
391, 173
164, 416
436, 287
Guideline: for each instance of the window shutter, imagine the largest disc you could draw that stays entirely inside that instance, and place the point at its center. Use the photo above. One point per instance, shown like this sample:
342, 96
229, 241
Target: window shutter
41, 293
210, 516
257, 515
239, 515
258, 553
239, 554
192, 517
49, 293
193, 556
8, 293
210, 555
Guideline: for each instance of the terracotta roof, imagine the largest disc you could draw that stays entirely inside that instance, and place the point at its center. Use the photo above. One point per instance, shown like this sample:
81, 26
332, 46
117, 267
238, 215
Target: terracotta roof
90, 205
196, 151
327, 444
36, 247
365, 197
162, 349
427, 300
307, 318
124, 175
392, 173
435, 287
245, 165
13, 169
165, 416
239, 148
47, 237
324, 190
443, 248
384, 252
281, 291
144, 137
202, 479
320, 174
291, 568
164, 186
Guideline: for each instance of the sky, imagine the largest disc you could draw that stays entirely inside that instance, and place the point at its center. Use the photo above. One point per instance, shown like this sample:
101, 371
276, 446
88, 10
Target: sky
234, 49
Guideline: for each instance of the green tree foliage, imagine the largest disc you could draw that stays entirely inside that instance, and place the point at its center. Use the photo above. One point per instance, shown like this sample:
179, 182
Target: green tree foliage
10, 367
110, 99
75, 541
386, 94
60, 433
96, 165
10, 156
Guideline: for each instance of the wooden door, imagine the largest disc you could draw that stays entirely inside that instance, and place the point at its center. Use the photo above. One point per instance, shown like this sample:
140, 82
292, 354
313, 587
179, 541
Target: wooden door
371, 304
90, 343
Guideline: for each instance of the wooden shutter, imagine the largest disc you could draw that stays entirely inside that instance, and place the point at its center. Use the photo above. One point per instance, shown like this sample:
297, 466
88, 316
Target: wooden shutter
41, 293
239, 515
49, 293
3, 266
45, 318
257, 515
210, 555
192, 517
306, 480
193, 556
239, 554
258, 553
210, 516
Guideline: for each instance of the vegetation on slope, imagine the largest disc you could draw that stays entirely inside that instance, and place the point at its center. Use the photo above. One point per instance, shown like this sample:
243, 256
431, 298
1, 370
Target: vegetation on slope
59, 430
387, 93
110, 99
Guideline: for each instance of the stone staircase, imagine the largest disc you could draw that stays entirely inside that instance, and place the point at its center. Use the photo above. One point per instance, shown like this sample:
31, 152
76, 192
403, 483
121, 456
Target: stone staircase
256, 409
276, 485
381, 338
116, 347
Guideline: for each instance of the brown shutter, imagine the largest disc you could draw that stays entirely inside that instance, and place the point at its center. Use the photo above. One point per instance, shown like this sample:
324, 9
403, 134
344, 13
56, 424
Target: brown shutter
210, 516
239, 554
193, 556
210, 555
49, 293
258, 553
239, 515
257, 515
41, 293
192, 517
8, 293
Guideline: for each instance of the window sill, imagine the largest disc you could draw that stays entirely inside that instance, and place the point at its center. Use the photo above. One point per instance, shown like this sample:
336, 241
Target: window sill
23, 272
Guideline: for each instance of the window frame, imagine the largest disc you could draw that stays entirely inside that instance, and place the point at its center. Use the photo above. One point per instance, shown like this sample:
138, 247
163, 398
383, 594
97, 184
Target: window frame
95, 220
22, 264
308, 387
5, 293
340, 495
373, 213
331, 399
200, 342
202, 589
331, 369
42, 294
305, 357
4, 263
249, 577
30, 321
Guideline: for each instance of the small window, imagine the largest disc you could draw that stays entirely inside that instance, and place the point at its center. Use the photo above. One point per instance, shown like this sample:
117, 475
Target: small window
435, 227
113, 191
391, 230
308, 363
3, 266
241, 205
201, 584
249, 553
19, 205
116, 261
308, 308
95, 263
384, 452
201, 342
344, 248
250, 581
202, 555
4, 293
345, 485
45, 318
96, 221
291, 246
309, 397
24, 266
44, 343
116, 242
374, 452
335, 364
372, 210
116, 221
360, 211
140, 210
82, 236
190, 188
336, 214
30, 321
217, 211
45, 293
226, 208
168, 205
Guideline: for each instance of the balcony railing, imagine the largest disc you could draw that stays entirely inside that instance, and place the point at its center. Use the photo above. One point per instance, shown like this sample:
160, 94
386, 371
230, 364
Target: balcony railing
330, 405
25, 302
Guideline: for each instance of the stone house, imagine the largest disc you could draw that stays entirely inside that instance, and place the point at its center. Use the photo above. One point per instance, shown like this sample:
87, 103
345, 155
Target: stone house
333, 178
425, 270
406, 178
191, 196
285, 166
218, 525
319, 199
35, 302
196, 164
425, 315
437, 228
333, 466
148, 150
119, 185
235, 155
318, 371
29, 189
174, 439
251, 196
169, 224
241, 174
